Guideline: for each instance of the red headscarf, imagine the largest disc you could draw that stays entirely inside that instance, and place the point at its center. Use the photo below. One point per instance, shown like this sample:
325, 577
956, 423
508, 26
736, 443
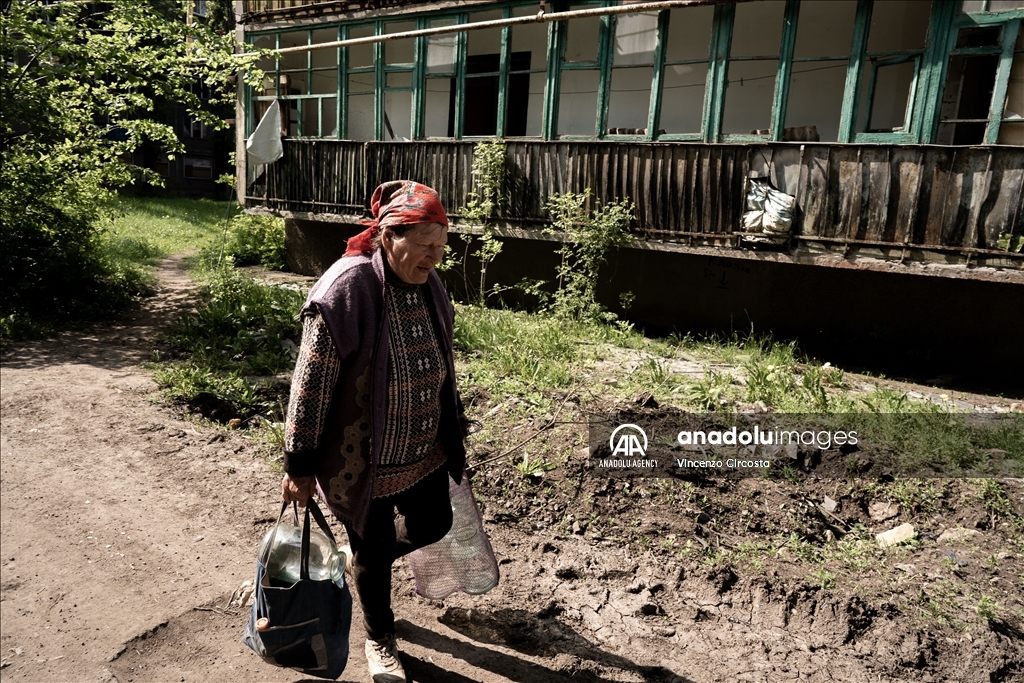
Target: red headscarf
399, 202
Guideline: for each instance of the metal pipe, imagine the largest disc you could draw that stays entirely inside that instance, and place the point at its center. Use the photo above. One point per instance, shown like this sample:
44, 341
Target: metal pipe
540, 17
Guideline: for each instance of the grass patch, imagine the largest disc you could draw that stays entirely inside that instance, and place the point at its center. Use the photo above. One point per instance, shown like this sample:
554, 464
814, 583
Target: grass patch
242, 331
146, 229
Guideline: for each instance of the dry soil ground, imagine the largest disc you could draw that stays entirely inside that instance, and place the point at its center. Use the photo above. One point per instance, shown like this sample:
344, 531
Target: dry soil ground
125, 529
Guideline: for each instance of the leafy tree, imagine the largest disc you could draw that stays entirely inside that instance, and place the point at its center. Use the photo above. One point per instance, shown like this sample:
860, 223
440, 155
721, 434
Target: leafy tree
79, 86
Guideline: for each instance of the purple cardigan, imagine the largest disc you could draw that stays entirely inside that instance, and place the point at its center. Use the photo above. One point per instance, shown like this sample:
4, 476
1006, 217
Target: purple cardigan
350, 298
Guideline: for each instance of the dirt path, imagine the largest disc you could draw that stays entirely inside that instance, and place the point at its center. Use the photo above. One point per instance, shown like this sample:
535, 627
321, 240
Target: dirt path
125, 529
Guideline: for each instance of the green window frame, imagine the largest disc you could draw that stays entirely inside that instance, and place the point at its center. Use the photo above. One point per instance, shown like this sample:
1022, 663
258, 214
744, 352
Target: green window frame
929, 64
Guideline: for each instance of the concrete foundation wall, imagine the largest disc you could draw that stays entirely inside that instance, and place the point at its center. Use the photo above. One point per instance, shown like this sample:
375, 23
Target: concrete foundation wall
955, 332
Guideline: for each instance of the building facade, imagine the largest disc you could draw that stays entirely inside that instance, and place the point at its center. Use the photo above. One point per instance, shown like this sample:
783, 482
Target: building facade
897, 126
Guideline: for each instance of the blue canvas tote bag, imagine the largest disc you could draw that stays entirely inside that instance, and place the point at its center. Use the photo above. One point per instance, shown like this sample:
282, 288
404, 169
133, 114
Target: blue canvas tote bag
309, 620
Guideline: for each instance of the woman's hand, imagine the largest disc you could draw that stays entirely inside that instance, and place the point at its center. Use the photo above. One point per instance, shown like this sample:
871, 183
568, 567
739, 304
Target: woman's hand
297, 489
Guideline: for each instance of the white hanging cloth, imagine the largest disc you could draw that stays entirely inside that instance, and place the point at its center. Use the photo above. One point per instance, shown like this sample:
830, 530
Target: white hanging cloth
264, 145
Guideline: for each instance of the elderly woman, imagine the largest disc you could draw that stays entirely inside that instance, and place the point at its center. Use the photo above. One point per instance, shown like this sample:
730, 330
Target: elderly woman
375, 422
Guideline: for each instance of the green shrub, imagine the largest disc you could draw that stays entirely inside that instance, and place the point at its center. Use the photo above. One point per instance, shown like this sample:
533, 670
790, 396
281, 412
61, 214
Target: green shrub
256, 241
242, 326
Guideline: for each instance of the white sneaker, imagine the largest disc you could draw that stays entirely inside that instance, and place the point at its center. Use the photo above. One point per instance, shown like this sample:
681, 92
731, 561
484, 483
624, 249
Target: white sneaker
382, 660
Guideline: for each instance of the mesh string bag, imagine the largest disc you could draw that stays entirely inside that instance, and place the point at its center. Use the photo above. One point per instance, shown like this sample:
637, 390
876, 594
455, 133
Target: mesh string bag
463, 559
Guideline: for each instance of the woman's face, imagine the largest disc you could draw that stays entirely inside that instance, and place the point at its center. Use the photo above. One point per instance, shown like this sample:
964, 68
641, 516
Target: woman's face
413, 255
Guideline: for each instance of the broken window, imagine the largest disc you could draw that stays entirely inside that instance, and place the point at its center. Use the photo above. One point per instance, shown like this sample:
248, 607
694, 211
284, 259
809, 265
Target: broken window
686, 70
629, 97
752, 67
483, 75
817, 81
527, 76
970, 80
892, 61
439, 108
580, 77
398, 65
361, 80
1011, 130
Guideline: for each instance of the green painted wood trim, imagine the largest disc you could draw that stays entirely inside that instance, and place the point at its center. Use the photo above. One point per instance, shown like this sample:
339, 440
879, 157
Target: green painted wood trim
718, 71
419, 82
556, 45
379, 82
851, 91
932, 73
505, 61
461, 50
658, 78
998, 104
887, 138
781, 98
341, 83
605, 48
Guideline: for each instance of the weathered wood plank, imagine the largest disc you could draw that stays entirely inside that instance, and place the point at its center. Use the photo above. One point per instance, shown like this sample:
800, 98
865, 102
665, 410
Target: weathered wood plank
904, 194
875, 208
846, 186
814, 180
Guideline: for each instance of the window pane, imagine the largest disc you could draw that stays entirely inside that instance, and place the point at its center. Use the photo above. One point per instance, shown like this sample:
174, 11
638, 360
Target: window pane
535, 112
293, 60
825, 29
360, 117
437, 117
518, 100
399, 51
689, 33
1011, 133
360, 83
749, 96
577, 102
898, 25
360, 55
682, 98
816, 99
532, 38
891, 94
986, 36
758, 29
484, 41
327, 57
441, 49
398, 112
581, 41
401, 79
330, 117
311, 119
1014, 106
635, 38
325, 81
629, 101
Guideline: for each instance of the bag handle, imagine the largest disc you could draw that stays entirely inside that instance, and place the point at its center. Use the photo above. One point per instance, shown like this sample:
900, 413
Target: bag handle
265, 557
312, 507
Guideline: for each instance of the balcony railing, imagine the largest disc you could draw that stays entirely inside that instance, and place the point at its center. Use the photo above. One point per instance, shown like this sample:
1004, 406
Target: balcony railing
954, 200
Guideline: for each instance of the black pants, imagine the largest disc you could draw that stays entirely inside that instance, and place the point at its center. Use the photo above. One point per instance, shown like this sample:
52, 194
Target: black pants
425, 516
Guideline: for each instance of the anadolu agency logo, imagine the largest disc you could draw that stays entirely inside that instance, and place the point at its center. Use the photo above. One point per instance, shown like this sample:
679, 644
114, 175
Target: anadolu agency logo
628, 444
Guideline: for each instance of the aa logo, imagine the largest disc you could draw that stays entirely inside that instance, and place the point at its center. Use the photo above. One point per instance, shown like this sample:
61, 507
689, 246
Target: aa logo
628, 440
